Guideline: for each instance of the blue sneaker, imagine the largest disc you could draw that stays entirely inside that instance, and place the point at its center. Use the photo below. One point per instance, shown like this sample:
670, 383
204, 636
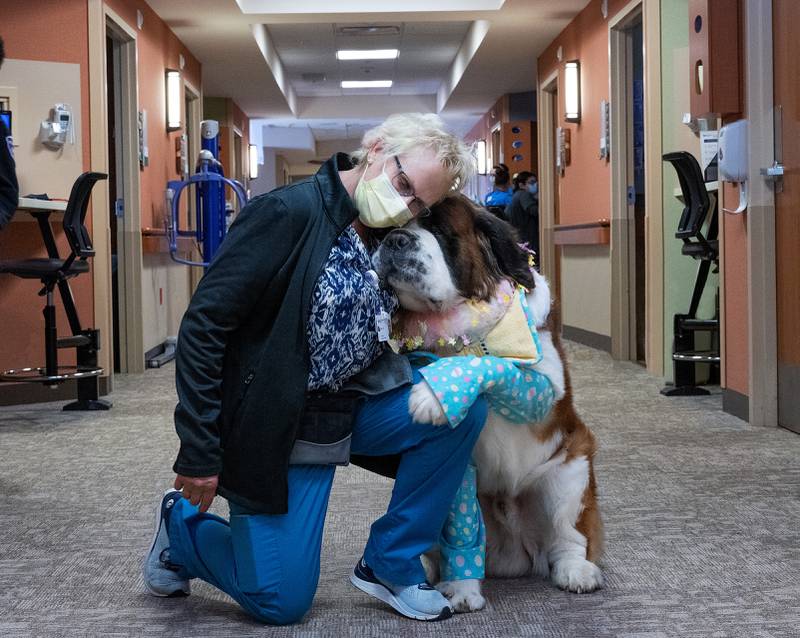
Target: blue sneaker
420, 602
160, 575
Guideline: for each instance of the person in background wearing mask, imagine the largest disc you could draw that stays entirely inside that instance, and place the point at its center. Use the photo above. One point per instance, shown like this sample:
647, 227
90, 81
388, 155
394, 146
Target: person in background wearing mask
500, 196
283, 370
523, 211
9, 189
518, 180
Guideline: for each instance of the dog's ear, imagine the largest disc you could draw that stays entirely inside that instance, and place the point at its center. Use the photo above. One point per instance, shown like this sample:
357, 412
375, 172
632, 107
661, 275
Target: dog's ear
501, 244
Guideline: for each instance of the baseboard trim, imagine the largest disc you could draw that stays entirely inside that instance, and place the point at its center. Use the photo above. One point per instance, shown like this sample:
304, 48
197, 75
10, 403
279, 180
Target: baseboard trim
736, 404
24, 393
587, 338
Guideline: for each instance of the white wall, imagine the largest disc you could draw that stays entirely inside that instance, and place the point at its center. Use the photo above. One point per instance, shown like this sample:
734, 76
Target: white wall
166, 290
37, 86
586, 288
265, 182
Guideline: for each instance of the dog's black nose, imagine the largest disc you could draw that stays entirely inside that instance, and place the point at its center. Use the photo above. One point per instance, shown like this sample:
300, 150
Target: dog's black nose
399, 239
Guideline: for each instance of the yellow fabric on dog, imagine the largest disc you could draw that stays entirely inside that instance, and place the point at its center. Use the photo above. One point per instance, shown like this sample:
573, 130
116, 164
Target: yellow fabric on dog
512, 337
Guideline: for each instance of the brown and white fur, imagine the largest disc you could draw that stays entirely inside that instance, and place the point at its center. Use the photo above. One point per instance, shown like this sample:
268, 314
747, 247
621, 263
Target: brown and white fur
536, 482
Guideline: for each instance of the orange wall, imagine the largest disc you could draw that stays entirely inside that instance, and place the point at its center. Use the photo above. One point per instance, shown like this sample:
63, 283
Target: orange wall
483, 128
28, 36
64, 37
585, 188
158, 49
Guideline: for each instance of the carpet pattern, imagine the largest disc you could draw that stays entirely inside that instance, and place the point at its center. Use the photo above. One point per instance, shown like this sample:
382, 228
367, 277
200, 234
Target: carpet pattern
702, 517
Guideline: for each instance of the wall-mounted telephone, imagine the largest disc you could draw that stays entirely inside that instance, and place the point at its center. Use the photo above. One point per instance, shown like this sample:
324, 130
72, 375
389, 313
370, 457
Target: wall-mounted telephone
733, 159
59, 129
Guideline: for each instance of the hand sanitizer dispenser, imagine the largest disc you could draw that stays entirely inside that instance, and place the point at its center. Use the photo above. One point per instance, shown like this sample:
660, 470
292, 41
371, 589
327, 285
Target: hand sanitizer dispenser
732, 157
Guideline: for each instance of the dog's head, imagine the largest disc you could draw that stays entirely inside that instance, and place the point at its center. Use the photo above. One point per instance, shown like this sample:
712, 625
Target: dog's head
461, 251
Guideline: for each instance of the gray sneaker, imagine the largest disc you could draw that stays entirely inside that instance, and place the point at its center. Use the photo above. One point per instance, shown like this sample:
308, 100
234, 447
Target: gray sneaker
420, 602
160, 575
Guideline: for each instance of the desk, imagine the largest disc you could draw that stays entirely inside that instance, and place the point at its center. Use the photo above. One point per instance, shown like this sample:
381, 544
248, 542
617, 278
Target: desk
30, 205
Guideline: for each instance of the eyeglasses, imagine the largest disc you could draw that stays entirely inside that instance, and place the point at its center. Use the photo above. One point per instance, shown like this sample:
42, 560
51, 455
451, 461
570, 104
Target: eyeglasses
404, 188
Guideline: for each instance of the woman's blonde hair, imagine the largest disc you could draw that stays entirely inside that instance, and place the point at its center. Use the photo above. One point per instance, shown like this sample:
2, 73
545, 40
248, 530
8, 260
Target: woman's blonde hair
404, 132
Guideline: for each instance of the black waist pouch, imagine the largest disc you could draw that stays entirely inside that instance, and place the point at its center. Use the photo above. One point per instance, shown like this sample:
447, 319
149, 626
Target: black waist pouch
323, 436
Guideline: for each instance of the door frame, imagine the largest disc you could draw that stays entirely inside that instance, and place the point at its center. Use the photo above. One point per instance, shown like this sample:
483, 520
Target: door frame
653, 190
623, 235
761, 270
547, 120
101, 19
194, 115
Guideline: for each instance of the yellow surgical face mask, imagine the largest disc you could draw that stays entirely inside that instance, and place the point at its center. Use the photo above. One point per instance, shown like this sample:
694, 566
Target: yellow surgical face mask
379, 204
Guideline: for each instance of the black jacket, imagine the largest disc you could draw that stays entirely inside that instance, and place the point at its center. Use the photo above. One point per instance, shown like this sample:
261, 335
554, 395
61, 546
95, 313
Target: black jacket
523, 213
242, 356
9, 190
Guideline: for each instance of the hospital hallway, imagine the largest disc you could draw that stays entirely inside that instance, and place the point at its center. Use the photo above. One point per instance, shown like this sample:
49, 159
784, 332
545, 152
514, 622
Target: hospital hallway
276, 210
700, 510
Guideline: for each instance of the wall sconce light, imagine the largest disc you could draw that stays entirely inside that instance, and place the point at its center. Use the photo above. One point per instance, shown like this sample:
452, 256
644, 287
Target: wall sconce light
480, 152
572, 91
173, 100
253, 161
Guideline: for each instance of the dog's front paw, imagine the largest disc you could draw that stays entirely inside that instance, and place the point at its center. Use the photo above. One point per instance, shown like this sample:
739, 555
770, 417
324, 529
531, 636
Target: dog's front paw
464, 595
423, 405
577, 575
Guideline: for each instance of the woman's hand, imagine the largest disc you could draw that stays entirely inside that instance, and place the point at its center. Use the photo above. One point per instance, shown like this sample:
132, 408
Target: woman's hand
198, 490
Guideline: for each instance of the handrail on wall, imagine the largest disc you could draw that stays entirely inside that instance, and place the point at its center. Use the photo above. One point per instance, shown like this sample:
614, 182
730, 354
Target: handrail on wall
589, 233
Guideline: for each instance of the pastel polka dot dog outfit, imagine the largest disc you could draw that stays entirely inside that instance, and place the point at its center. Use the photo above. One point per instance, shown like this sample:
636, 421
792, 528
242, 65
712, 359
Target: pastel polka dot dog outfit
501, 365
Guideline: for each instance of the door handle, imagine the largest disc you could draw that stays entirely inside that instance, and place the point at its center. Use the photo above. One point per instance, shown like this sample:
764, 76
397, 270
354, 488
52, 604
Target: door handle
773, 173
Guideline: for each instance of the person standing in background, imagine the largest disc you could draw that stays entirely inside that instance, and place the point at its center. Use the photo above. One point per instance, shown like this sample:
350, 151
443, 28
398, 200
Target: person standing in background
499, 197
523, 211
9, 189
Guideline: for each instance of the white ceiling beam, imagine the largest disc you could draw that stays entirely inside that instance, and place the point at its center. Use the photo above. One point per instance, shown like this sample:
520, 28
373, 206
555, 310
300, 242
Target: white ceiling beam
299, 138
270, 54
363, 106
365, 6
469, 47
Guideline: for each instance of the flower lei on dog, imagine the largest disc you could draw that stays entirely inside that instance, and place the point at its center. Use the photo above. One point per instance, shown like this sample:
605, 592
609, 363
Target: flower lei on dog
449, 332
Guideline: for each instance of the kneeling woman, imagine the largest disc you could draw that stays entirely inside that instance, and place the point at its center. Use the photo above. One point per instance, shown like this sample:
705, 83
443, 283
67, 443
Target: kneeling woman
282, 370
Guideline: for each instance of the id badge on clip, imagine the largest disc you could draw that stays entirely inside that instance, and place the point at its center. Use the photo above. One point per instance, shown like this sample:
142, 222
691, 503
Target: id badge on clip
382, 325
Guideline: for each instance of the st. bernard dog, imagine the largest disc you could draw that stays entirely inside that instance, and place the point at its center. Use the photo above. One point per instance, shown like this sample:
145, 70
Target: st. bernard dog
536, 483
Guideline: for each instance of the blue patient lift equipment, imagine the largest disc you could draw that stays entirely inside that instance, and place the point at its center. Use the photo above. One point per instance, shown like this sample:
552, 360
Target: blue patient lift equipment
210, 203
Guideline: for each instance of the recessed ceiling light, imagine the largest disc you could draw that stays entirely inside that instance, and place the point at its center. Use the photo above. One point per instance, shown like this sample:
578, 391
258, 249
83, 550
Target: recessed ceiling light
366, 84
367, 54
369, 29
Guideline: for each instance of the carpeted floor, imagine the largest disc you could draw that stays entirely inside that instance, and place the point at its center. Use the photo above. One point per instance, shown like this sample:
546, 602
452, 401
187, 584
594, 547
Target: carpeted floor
702, 519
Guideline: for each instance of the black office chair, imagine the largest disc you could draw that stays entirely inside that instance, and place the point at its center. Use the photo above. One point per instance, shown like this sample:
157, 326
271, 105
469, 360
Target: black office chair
705, 248
54, 271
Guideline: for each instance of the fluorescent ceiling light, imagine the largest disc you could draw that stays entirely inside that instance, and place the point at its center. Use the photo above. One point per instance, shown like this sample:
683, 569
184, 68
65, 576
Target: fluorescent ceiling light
366, 84
368, 54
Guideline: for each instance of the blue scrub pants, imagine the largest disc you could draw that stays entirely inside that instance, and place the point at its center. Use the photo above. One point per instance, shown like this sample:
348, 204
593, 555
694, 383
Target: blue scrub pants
270, 564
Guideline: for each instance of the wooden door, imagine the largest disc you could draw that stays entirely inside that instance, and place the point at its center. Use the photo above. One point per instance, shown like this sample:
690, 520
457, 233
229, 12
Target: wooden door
786, 17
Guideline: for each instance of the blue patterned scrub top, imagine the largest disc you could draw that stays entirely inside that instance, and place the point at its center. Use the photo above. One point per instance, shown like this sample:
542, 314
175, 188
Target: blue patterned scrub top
342, 333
